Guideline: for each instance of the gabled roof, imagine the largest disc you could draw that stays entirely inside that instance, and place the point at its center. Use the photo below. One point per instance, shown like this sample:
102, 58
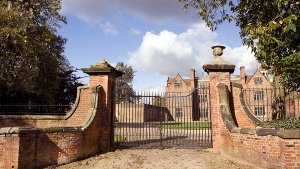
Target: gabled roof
248, 78
187, 81
172, 79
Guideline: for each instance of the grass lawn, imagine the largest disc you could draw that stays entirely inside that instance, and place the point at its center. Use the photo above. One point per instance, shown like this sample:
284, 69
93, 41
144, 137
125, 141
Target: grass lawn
119, 138
194, 125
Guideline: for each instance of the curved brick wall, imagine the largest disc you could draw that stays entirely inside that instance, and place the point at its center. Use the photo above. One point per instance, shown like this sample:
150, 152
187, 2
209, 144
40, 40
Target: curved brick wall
78, 135
75, 117
268, 148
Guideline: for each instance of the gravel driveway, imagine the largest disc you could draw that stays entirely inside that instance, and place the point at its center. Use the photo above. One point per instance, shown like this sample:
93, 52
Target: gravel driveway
156, 159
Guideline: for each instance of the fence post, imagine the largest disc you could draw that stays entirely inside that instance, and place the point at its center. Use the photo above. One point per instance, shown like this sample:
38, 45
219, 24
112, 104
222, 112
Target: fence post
219, 72
104, 74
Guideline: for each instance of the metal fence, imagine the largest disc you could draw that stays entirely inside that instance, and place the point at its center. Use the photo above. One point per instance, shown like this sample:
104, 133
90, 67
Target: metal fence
272, 103
24, 109
164, 119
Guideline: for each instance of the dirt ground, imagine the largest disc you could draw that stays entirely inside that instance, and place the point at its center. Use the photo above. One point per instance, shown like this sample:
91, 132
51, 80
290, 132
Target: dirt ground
156, 159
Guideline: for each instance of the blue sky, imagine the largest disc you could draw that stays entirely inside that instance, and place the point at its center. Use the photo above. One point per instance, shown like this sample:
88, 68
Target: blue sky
155, 37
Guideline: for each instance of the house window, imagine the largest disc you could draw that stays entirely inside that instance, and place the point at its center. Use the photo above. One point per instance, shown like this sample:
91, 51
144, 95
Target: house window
259, 111
202, 98
177, 97
202, 85
258, 95
178, 112
178, 83
258, 80
203, 112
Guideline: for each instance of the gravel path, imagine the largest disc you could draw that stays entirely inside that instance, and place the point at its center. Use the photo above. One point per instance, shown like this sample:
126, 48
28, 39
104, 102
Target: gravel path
156, 159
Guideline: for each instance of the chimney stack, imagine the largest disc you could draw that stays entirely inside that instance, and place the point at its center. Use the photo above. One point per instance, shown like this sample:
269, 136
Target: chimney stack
243, 74
192, 74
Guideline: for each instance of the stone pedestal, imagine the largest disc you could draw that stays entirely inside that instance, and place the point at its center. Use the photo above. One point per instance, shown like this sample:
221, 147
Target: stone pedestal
219, 72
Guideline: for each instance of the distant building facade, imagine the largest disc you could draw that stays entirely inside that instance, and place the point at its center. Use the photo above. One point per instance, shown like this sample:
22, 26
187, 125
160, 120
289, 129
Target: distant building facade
257, 91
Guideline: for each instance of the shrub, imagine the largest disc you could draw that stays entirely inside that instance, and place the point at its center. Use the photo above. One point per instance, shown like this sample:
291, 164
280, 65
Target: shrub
284, 123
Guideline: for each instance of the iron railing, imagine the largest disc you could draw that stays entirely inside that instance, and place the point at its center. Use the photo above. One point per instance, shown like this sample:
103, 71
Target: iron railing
36, 109
272, 103
164, 119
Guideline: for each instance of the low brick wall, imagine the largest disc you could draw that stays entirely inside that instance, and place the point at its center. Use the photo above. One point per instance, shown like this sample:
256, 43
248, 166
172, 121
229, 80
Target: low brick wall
264, 150
131, 112
57, 140
268, 148
75, 117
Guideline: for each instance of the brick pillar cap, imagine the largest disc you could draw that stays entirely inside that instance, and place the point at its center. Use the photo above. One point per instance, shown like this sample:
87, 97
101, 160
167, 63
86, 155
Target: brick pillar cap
102, 68
218, 68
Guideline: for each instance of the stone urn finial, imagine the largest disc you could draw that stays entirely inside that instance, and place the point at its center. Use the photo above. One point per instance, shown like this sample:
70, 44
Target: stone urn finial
218, 51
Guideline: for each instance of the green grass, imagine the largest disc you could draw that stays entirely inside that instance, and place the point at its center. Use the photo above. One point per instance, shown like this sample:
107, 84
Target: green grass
195, 125
119, 138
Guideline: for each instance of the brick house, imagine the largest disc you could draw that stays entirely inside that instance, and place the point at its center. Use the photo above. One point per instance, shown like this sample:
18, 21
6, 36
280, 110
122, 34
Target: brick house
257, 91
177, 96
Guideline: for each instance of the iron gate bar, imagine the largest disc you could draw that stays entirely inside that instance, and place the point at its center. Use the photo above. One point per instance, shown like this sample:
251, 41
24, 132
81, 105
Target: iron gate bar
148, 121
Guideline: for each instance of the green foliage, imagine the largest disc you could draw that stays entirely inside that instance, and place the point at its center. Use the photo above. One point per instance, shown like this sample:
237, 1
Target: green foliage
270, 28
32, 64
194, 125
284, 123
159, 101
124, 90
68, 88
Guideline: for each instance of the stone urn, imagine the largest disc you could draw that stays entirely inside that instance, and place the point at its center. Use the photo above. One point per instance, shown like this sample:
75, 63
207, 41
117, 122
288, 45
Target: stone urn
218, 51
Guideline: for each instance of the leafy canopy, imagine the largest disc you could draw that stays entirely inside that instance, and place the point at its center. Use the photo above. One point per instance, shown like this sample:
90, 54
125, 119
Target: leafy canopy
124, 89
31, 53
270, 28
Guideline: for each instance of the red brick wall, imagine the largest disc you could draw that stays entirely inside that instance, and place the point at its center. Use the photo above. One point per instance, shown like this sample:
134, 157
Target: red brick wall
9, 155
139, 113
242, 119
261, 151
51, 140
293, 107
75, 117
218, 127
267, 148
235, 135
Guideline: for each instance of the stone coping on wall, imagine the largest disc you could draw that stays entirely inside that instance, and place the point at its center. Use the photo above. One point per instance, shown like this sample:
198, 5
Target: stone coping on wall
259, 131
218, 68
102, 68
91, 116
27, 130
49, 117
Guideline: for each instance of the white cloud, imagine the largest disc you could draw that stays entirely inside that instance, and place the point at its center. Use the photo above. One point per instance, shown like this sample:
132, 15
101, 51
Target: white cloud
168, 53
108, 28
241, 56
135, 31
163, 53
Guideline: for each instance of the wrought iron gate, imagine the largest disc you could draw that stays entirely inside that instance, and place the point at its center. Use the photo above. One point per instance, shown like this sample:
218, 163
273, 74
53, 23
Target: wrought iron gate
151, 119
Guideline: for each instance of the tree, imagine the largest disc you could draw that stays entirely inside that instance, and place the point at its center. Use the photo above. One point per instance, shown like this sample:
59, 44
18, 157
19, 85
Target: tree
31, 52
270, 28
124, 90
159, 101
67, 92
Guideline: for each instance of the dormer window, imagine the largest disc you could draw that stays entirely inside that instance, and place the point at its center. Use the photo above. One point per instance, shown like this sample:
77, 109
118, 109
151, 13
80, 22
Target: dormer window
258, 80
178, 83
